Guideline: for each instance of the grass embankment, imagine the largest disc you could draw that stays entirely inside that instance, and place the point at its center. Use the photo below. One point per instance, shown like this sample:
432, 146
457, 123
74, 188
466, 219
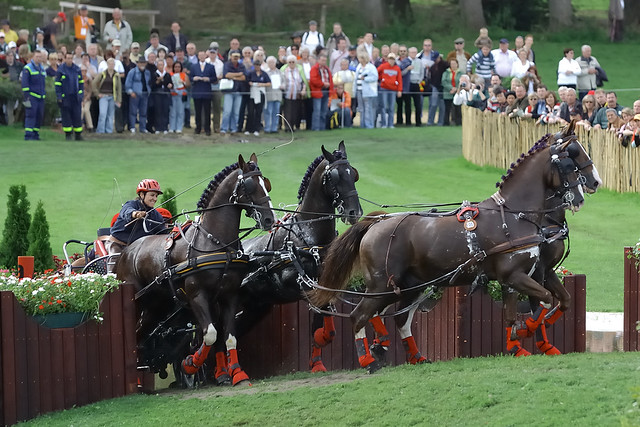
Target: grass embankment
76, 182
577, 389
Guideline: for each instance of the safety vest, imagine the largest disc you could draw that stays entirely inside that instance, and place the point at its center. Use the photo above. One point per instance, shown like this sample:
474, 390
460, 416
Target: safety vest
33, 78
69, 84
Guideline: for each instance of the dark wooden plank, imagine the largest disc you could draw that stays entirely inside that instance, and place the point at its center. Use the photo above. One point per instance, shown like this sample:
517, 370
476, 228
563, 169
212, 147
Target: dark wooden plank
104, 345
81, 368
570, 284
487, 330
20, 355
9, 396
129, 319
476, 326
33, 368
117, 343
93, 362
580, 322
497, 327
628, 272
57, 369
465, 322
631, 337
304, 336
46, 382
69, 363
452, 316
289, 338
2, 412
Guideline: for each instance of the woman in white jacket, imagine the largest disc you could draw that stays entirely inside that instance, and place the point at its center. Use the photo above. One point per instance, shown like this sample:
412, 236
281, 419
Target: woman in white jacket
568, 70
367, 90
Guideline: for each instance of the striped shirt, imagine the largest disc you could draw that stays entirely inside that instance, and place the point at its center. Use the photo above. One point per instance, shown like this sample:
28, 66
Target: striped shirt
485, 65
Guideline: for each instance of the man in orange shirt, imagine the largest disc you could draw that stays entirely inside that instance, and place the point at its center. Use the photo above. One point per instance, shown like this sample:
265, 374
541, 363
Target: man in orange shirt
83, 25
339, 107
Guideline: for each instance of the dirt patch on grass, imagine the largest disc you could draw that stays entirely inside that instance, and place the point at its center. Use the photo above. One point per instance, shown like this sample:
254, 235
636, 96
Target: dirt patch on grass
278, 385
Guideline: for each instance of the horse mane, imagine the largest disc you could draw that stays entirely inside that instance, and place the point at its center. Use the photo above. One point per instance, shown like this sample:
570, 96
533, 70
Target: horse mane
306, 179
540, 145
215, 182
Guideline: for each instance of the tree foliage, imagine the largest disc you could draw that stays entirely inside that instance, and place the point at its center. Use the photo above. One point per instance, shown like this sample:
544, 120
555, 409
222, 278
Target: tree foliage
516, 14
38, 236
16, 227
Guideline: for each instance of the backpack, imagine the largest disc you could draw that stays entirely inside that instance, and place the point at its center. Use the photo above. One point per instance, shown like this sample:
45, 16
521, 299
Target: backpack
334, 120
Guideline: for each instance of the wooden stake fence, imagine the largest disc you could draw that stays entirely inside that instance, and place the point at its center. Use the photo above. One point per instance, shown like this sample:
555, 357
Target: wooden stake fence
496, 140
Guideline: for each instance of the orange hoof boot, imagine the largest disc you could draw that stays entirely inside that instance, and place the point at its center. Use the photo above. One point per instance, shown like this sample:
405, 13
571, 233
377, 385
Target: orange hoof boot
222, 376
520, 351
239, 376
547, 348
188, 366
318, 367
417, 358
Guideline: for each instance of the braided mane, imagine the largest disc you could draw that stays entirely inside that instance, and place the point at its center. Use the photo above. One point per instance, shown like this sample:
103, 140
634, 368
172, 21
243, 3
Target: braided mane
541, 144
306, 179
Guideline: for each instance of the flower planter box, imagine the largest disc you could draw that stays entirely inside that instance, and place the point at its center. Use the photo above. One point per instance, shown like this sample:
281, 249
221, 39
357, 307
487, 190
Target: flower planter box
630, 334
459, 326
44, 370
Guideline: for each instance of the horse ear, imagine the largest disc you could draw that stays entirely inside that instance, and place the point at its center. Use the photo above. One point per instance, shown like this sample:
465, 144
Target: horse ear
571, 127
241, 163
327, 155
567, 142
342, 148
253, 158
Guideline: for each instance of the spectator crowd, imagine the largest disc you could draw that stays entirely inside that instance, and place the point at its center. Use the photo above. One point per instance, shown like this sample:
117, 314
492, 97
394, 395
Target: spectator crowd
316, 82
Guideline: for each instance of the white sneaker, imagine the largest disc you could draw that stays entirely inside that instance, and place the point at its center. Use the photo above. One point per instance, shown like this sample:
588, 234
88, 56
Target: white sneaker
133, 130
178, 131
223, 132
256, 133
247, 132
165, 132
157, 132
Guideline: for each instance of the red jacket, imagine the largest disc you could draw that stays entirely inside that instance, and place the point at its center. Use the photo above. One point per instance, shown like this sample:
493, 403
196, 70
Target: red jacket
390, 77
315, 81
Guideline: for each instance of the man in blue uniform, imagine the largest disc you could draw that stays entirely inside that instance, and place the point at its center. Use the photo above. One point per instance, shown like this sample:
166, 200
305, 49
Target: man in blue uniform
33, 92
69, 92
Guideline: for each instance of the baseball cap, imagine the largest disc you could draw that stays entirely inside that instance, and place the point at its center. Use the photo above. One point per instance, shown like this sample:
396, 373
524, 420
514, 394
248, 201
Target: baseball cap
134, 45
83, 7
62, 15
459, 40
312, 22
636, 117
235, 52
214, 45
503, 40
2, 34
116, 42
142, 60
353, 47
391, 55
5, 22
11, 44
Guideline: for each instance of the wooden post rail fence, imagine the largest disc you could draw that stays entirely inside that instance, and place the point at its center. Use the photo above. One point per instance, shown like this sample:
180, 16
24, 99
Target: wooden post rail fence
44, 370
490, 139
630, 333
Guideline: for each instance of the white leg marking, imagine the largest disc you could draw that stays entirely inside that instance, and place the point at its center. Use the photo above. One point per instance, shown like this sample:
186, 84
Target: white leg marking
231, 342
405, 330
361, 334
211, 335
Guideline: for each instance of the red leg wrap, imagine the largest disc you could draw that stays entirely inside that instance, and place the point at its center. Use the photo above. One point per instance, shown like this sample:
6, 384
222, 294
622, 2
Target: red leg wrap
236, 371
221, 373
543, 343
534, 321
381, 332
364, 355
323, 336
315, 363
514, 347
413, 355
193, 362
554, 317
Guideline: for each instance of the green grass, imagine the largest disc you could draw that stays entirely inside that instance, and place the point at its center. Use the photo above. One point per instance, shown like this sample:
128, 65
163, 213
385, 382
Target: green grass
76, 183
576, 389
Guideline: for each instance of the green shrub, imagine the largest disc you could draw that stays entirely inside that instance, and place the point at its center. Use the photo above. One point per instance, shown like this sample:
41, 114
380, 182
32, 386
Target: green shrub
39, 245
168, 201
16, 227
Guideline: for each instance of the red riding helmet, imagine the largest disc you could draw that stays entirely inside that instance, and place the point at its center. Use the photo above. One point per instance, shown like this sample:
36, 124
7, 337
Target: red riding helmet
148, 185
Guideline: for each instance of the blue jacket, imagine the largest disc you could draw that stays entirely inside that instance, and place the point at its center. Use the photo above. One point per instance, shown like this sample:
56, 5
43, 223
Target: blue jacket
69, 85
33, 78
135, 230
202, 89
134, 81
229, 68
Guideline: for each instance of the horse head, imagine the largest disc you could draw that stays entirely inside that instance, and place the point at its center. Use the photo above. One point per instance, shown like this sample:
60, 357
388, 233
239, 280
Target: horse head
252, 191
339, 179
588, 174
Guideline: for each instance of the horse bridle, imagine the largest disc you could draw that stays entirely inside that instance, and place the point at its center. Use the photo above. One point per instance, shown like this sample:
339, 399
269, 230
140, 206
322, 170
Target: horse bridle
248, 185
562, 160
330, 179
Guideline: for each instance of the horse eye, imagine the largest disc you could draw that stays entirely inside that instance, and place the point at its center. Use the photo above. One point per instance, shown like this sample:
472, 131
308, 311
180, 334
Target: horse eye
335, 175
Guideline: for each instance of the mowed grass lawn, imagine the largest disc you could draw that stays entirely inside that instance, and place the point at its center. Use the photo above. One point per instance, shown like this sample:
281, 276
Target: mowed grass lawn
77, 183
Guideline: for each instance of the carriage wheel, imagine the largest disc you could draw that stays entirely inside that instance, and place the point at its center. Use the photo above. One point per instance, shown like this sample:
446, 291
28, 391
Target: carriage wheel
99, 265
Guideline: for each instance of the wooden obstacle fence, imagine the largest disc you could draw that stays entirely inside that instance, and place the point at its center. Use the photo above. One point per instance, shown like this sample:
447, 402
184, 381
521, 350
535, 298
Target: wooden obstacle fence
630, 334
44, 370
490, 139
459, 326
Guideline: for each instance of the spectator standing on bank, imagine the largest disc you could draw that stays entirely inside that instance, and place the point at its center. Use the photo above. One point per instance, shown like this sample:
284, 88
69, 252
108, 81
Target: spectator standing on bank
181, 82
176, 39
504, 59
601, 121
154, 46
390, 77
367, 90
69, 87
332, 41
201, 76
484, 62
258, 82
320, 83
338, 55
587, 77
88, 92
461, 56
312, 38
235, 71
404, 62
295, 91
274, 96
417, 74
83, 25
616, 20
108, 85
161, 85
51, 32
9, 34
137, 86
568, 70
33, 92
117, 29
450, 83
215, 59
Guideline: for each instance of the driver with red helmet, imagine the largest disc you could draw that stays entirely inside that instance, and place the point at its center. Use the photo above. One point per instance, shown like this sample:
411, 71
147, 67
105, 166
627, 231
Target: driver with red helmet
137, 218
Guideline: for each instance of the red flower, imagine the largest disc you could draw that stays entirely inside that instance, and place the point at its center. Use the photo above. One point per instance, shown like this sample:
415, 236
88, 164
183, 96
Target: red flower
40, 306
59, 301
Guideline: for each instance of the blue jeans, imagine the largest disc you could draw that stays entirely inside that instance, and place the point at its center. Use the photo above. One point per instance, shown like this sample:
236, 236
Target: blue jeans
107, 111
176, 115
138, 107
320, 108
388, 104
436, 102
230, 112
271, 116
367, 106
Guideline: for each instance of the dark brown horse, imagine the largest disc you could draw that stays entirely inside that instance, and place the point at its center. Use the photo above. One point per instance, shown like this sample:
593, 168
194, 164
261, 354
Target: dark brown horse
401, 254
292, 251
197, 276
552, 251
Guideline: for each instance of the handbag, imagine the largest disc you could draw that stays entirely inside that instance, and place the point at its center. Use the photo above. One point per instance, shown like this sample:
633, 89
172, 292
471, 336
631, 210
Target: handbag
226, 84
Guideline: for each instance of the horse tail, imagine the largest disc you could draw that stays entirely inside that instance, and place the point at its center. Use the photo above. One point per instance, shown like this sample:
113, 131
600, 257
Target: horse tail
341, 259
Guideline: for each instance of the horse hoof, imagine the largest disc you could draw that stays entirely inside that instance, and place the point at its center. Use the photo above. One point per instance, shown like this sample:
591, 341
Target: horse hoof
224, 379
521, 352
240, 377
379, 353
373, 367
423, 360
318, 367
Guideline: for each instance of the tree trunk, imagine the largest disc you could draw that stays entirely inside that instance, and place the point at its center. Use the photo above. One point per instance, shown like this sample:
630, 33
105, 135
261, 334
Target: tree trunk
473, 13
169, 9
631, 14
560, 14
268, 13
105, 3
374, 12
